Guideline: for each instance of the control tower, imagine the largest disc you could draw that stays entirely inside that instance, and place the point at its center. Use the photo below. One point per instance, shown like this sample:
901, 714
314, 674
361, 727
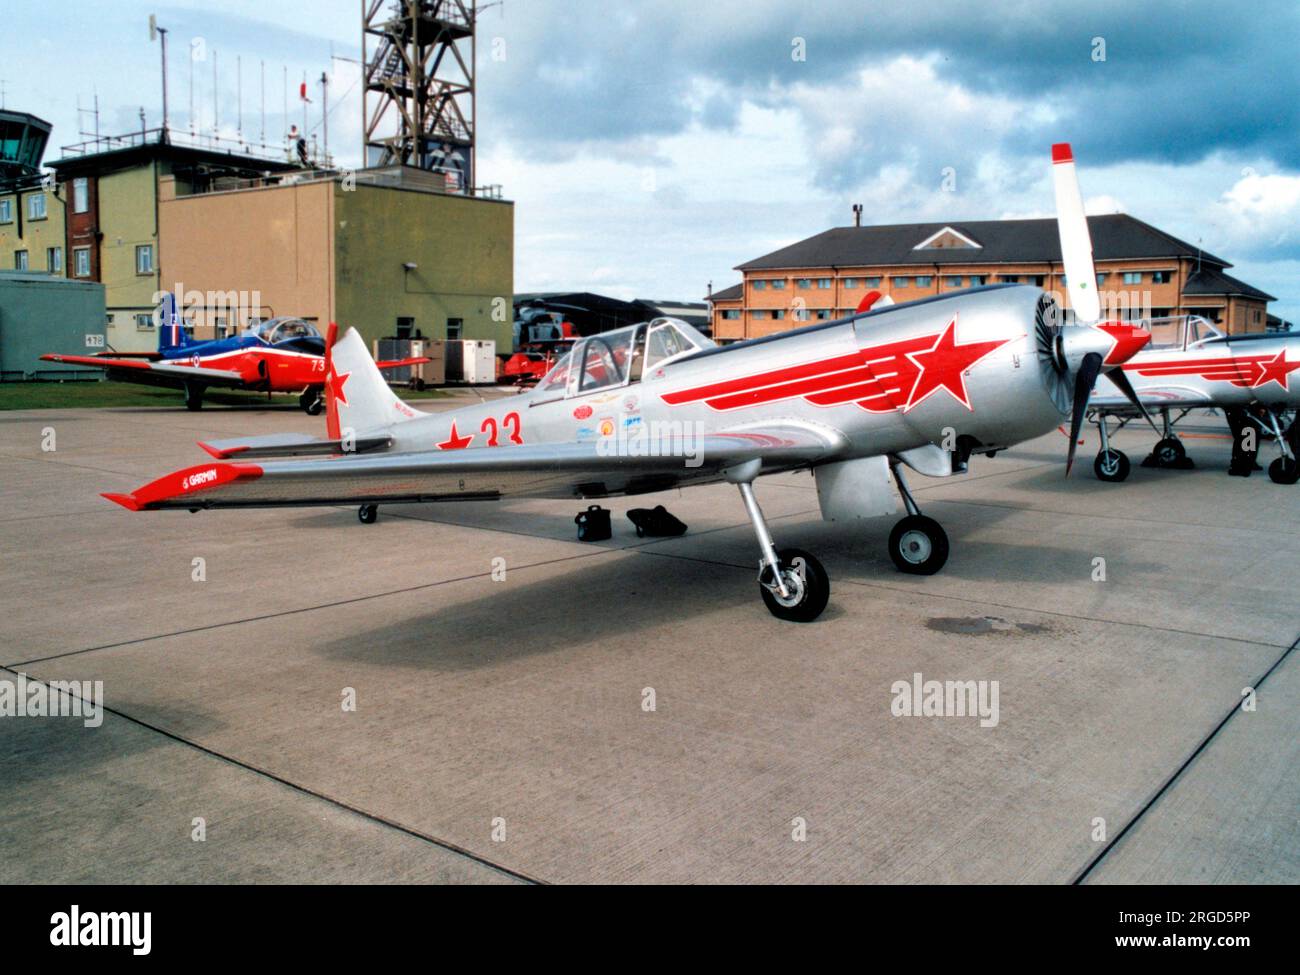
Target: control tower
417, 104
22, 145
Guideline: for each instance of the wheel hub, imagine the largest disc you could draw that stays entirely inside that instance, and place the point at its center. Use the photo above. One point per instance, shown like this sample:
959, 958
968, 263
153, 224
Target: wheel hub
915, 546
795, 584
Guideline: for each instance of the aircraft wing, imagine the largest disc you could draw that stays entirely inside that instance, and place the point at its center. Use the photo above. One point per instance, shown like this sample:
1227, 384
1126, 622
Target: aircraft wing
153, 373
564, 470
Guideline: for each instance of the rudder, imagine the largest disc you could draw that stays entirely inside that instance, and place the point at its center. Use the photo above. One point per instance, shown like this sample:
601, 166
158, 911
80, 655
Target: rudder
357, 398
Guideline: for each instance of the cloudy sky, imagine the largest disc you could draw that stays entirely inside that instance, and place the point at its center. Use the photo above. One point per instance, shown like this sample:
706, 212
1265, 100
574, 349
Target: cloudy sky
650, 147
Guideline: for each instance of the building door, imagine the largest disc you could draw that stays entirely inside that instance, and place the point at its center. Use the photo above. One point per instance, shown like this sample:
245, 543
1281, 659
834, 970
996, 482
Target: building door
455, 326
405, 326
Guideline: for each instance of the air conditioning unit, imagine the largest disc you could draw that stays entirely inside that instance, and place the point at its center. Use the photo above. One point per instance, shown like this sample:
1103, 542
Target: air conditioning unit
471, 361
432, 373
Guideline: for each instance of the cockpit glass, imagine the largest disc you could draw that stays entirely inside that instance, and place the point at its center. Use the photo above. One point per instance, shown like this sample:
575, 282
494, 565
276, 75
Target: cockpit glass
1198, 330
281, 329
665, 342
557, 380
1166, 333
620, 356
607, 359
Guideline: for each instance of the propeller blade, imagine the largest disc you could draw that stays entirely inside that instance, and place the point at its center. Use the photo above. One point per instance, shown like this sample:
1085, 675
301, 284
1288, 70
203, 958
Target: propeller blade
1084, 380
1119, 379
1076, 244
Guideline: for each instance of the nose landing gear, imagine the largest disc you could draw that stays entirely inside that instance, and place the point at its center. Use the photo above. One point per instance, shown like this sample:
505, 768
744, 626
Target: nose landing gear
311, 401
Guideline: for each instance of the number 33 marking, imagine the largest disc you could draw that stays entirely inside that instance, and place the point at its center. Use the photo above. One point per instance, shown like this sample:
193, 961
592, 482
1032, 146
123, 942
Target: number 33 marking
510, 422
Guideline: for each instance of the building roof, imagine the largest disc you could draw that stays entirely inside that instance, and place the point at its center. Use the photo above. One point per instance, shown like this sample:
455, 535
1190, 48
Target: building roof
1114, 236
728, 294
143, 150
1212, 281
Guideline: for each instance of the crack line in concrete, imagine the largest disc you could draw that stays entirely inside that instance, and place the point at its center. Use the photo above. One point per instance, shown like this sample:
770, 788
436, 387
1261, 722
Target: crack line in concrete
305, 790
1168, 783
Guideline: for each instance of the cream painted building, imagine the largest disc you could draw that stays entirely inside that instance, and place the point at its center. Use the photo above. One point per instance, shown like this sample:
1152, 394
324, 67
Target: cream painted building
110, 218
31, 230
387, 251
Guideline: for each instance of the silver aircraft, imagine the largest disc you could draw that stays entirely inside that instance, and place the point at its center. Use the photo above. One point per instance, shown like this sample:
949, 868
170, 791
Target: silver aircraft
1187, 365
657, 406
1191, 365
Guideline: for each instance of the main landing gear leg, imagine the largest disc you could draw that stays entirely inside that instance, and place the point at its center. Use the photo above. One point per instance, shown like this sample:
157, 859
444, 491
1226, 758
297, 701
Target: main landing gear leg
793, 584
918, 545
1169, 452
1284, 470
193, 396
1110, 465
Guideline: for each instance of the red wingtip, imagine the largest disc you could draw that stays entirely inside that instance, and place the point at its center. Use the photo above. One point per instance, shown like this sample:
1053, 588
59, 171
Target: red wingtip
127, 501
219, 453
183, 482
869, 299
1062, 153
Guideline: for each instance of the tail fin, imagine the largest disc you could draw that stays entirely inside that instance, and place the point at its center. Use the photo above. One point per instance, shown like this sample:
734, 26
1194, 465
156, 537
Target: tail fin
357, 398
171, 330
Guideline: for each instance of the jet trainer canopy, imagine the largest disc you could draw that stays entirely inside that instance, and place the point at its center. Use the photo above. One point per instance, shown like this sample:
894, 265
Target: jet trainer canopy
275, 330
622, 356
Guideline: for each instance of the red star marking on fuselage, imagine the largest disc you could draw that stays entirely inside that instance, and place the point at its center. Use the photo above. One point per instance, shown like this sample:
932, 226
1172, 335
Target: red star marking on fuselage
455, 441
1275, 370
943, 366
335, 383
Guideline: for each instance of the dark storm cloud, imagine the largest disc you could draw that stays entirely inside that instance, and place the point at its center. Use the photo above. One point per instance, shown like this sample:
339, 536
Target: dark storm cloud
1179, 81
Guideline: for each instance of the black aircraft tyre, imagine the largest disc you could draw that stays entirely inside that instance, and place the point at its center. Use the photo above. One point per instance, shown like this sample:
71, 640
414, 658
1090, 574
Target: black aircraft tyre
193, 396
368, 514
311, 401
1284, 470
1170, 451
1111, 465
918, 545
806, 581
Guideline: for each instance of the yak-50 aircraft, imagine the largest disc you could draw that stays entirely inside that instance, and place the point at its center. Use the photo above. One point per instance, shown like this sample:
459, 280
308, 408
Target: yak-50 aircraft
279, 355
1188, 364
1192, 365
657, 405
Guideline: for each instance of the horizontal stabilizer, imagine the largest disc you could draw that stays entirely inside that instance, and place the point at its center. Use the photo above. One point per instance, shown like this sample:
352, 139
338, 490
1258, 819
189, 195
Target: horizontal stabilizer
290, 445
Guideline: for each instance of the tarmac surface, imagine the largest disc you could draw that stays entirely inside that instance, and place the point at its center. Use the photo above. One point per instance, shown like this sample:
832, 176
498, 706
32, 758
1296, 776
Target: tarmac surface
501, 731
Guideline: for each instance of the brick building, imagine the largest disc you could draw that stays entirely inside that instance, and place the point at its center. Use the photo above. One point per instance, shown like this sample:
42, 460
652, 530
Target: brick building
1141, 272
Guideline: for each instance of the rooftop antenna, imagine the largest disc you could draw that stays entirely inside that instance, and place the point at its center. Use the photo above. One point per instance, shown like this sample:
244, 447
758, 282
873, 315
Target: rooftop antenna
193, 129
239, 97
262, 136
216, 123
324, 113
857, 214
2, 93
161, 32
285, 93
